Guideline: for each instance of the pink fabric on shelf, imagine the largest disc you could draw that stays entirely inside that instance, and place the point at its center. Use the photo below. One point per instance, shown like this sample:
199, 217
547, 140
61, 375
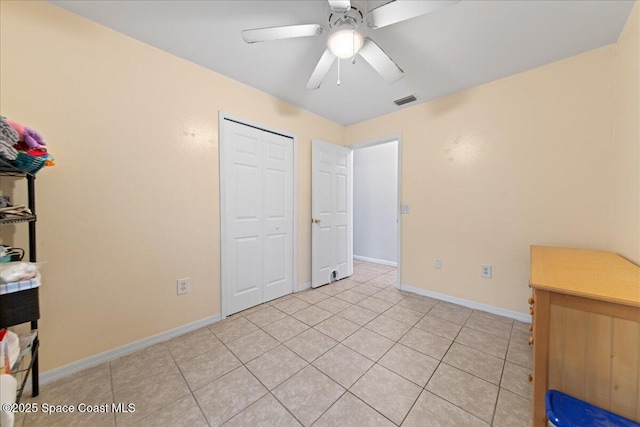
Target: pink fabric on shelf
18, 128
29, 136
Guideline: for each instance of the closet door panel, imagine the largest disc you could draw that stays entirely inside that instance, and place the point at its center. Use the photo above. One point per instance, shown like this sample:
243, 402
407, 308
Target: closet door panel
243, 205
278, 215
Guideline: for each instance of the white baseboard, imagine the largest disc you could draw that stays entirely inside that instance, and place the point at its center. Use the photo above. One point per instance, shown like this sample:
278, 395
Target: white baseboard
522, 317
302, 287
109, 355
375, 261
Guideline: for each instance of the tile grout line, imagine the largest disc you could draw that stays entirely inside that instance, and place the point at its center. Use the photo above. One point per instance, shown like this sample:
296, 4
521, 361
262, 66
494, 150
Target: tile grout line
307, 362
504, 363
346, 390
191, 391
266, 388
168, 403
376, 363
113, 392
440, 362
395, 342
222, 344
502, 373
307, 365
432, 373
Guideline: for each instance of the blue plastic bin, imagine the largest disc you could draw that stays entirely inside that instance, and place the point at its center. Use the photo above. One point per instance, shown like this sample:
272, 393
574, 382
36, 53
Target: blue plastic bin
566, 411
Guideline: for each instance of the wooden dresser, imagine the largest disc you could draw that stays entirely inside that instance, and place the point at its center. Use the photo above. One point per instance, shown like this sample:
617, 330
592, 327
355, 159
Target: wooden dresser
586, 329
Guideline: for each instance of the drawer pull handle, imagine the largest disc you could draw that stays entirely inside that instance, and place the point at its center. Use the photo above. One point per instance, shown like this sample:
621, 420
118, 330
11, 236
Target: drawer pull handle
531, 300
531, 311
530, 378
531, 340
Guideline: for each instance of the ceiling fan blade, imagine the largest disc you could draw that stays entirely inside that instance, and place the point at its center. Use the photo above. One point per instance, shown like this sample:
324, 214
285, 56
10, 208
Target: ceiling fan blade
321, 70
340, 6
276, 33
380, 61
401, 10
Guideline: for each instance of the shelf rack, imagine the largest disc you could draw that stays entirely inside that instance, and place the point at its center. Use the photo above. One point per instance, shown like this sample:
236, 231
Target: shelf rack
27, 299
16, 219
22, 373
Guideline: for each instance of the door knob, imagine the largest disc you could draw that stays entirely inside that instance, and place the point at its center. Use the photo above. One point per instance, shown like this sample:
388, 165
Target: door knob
316, 220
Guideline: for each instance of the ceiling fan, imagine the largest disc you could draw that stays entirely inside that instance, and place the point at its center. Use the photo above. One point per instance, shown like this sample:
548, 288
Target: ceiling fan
345, 41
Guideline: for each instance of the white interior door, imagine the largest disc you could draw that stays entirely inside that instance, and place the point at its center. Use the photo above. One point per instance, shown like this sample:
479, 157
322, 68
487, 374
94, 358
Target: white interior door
278, 215
257, 222
331, 210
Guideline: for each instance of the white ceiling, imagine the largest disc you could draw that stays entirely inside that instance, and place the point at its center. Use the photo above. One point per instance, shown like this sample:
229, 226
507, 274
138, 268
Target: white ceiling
451, 49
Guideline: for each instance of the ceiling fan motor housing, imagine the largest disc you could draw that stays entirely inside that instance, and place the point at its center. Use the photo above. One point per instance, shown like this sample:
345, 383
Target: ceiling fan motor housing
353, 17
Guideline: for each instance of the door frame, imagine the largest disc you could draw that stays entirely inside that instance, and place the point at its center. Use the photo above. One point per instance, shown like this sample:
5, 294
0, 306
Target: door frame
222, 116
379, 141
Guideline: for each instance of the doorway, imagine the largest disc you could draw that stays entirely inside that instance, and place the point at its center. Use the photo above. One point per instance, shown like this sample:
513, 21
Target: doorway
376, 203
257, 213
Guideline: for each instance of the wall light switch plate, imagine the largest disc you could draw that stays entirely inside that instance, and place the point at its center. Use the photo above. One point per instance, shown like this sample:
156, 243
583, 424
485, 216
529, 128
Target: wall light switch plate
405, 209
438, 264
485, 271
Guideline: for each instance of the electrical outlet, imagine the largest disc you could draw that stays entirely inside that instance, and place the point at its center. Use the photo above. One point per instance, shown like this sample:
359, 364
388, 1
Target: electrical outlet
485, 271
438, 265
183, 286
405, 208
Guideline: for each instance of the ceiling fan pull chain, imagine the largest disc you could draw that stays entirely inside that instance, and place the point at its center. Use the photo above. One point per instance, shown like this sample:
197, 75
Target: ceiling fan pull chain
353, 48
338, 71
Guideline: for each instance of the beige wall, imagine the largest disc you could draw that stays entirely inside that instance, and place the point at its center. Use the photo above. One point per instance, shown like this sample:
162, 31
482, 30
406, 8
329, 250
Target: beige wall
491, 170
626, 142
133, 202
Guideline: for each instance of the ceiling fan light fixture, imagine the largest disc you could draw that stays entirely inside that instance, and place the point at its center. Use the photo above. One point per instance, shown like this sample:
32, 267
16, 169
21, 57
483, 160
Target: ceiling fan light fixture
345, 43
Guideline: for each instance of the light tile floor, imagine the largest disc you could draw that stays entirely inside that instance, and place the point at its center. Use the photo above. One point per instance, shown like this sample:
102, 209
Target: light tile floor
357, 352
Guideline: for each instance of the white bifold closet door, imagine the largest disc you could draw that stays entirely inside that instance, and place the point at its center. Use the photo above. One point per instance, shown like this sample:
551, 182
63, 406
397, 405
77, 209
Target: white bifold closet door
257, 223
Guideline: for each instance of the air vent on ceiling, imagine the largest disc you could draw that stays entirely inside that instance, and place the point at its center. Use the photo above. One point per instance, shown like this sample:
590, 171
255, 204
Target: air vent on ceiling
405, 100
